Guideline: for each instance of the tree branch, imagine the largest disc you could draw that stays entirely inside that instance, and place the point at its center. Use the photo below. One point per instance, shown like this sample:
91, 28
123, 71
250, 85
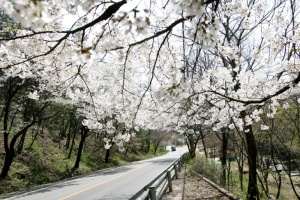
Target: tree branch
248, 102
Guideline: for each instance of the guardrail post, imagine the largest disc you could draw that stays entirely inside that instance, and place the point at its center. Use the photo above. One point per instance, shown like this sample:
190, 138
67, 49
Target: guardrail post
169, 180
179, 169
152, 192
176, 171
147, 197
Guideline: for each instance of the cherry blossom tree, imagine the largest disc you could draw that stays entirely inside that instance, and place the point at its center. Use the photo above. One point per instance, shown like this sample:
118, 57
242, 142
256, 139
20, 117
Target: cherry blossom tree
159, 64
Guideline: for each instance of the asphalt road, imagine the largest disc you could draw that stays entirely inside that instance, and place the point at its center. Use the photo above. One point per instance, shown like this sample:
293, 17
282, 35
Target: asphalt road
112, 184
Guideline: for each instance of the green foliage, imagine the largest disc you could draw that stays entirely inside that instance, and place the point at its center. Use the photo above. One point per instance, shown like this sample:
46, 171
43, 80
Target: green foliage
46, 161
8, 27
207, 168
212, 171
235, 184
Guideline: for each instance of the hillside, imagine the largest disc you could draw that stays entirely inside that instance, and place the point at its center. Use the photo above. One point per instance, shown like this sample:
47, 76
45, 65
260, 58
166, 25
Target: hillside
45, 160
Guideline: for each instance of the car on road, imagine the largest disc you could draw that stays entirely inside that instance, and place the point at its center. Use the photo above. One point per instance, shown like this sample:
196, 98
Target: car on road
173, 148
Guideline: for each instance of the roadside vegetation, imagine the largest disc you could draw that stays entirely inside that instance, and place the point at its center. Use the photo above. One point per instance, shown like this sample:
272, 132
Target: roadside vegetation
278, 160
48, 151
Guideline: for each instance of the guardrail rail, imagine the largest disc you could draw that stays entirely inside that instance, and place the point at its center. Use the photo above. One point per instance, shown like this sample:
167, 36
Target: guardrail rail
156, 189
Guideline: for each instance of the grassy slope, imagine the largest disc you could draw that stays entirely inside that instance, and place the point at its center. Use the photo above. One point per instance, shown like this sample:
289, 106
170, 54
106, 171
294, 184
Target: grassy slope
211, 171
46, 162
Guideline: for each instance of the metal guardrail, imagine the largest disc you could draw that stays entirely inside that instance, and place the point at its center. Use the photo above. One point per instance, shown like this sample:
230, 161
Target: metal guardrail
156, 189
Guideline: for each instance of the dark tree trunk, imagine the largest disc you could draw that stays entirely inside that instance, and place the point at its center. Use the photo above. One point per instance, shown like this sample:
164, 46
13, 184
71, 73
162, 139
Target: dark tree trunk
290, 177
279, 185
147, 142
277, 170
9, 157
156, 145
203, 143
224, 155
229, 174
34, 137
21, 143
73, 141
10, 150
126, 150
191, 145
240, 161
67, 145
252, 193
84, 134
107, 154
63, 130
192, 140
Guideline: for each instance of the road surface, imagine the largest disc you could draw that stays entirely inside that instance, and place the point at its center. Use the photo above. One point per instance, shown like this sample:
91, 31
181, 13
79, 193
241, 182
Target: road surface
112, 184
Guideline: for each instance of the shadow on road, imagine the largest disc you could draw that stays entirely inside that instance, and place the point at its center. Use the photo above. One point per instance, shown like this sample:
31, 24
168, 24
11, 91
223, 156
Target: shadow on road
164, 161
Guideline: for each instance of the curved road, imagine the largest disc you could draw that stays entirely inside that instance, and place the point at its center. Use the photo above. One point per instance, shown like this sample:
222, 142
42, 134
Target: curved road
112, 184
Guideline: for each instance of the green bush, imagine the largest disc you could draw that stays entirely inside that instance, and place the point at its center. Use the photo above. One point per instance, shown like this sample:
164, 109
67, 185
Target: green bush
207, 168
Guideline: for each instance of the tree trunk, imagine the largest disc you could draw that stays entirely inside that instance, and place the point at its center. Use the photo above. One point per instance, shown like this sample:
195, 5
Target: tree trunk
21, 143
73, 141
156, 145
228, 169
63, 131
73, 124
10, 150
240, 161
84, 134
107, 154
34, 137
67, 145
252, 193
191, 145
224, 155
204, 146
9, 156
148, 143
126, 150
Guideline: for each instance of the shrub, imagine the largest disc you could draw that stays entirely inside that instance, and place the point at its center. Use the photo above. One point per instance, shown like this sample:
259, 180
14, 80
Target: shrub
207, 168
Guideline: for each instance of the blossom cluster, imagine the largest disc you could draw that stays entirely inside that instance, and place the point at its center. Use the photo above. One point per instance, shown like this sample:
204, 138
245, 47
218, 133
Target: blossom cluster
161, 75
134, 21
31, 14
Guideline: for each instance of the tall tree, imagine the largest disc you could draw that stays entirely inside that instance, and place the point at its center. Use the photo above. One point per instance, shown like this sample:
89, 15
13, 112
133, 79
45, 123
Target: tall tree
159, 64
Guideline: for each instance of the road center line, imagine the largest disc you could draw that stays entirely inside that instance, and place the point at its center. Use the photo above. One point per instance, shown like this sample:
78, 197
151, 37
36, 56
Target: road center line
113, 178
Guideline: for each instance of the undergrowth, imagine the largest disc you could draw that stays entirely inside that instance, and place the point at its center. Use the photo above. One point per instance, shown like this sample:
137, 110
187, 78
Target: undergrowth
46, 161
